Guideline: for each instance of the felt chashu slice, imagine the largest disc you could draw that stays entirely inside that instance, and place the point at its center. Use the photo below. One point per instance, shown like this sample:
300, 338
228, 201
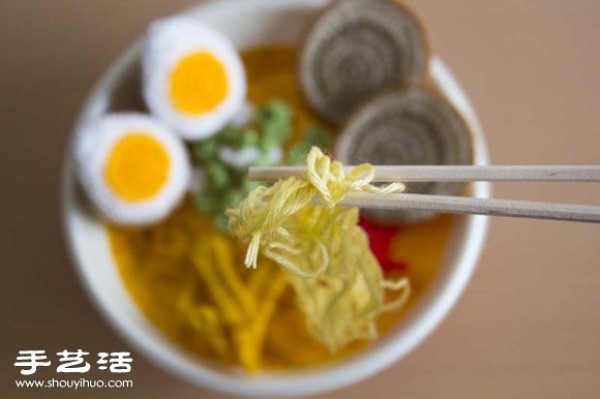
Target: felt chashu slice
357, 48
411, 126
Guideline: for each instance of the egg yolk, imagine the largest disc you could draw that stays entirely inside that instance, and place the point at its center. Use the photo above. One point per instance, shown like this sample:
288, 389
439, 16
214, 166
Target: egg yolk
198, 83
137, 167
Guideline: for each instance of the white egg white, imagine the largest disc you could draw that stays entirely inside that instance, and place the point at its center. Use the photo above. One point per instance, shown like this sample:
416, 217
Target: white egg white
93, 146
244, 157
170, 40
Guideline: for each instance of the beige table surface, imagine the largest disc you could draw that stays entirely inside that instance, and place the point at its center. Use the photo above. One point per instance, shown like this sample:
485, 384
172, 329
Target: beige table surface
527, 327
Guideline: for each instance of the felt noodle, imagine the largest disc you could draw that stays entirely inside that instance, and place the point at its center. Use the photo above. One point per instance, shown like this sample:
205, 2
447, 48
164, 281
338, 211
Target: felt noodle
338, 282
236, 322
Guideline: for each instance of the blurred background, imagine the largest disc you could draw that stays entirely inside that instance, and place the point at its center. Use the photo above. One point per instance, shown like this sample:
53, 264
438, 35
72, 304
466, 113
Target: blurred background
527, 326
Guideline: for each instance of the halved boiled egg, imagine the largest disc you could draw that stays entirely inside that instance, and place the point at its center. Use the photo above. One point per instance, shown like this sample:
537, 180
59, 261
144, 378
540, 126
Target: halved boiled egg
134, 168
193, 77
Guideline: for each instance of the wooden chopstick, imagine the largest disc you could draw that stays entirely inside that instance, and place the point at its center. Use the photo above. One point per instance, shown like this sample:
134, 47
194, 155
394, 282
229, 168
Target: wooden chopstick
476, 206
389, 174
463, 205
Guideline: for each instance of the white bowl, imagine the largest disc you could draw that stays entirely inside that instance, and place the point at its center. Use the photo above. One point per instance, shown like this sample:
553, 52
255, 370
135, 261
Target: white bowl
252, 23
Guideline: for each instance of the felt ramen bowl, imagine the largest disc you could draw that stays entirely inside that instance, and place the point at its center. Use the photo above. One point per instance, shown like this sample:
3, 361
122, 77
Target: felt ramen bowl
249, 24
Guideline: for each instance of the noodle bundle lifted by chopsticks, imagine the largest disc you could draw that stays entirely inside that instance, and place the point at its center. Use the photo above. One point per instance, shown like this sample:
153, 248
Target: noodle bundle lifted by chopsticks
338, 282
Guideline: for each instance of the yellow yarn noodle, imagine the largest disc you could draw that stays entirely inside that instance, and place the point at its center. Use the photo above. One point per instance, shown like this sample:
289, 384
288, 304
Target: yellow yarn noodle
338, 282
235, 323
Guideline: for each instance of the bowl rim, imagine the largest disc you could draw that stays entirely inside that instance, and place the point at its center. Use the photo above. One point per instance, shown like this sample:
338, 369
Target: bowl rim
317, 380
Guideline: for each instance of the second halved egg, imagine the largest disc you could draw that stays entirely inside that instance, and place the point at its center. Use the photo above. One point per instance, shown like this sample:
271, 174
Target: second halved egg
134, 169
193, 77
